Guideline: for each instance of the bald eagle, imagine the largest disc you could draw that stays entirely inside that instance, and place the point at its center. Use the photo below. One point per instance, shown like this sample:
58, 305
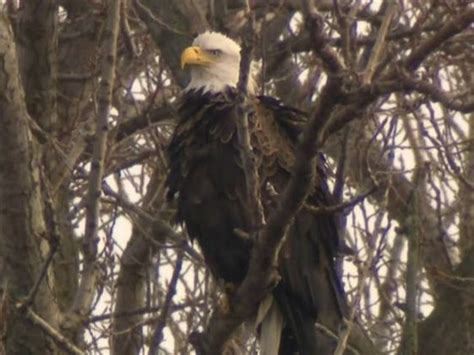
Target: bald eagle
207, 179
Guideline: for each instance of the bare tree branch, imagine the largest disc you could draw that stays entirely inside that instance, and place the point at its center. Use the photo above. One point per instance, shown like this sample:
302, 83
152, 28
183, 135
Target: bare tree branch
85, 294
59, 338
247, 156
22, 227
161, 322
379, 45
429, 45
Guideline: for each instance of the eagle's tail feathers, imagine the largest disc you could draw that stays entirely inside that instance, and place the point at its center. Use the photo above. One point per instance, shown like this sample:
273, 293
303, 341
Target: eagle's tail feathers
270, 320
299, 332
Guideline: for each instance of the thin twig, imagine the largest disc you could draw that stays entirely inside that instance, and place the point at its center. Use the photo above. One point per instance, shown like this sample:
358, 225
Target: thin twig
152, 15
364, 273
379, 44
333, 335
54, 238
43, 272
162, 229
143, 310
161, 322
341, 206
60, 339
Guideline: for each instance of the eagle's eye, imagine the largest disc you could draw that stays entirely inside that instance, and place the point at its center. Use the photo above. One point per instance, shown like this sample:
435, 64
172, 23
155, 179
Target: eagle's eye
215, 52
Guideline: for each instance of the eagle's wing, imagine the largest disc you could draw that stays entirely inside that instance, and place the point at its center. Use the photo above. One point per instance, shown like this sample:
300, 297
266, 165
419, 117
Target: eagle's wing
310, 289
205, 169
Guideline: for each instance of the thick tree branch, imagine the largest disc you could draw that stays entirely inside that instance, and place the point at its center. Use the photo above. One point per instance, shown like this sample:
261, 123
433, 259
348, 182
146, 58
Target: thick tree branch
22, 226
38, 39
49, 330
86, 292
314, 23
429, 45
466, 225
247, 156
407, 83
414, 231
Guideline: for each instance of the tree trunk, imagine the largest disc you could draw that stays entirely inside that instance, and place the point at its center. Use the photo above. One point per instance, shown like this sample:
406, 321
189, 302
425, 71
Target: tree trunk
23, 241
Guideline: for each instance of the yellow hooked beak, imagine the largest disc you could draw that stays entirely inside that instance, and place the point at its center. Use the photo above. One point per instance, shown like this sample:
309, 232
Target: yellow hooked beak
195, 56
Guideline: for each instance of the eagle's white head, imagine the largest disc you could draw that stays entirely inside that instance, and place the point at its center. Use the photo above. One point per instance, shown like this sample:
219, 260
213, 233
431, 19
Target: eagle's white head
214, 62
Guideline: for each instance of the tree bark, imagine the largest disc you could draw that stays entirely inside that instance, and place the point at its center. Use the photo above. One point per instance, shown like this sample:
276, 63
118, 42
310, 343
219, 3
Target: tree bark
22, 230
448, 329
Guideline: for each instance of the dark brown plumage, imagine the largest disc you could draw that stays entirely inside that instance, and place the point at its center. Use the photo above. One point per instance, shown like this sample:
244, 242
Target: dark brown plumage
208, 181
